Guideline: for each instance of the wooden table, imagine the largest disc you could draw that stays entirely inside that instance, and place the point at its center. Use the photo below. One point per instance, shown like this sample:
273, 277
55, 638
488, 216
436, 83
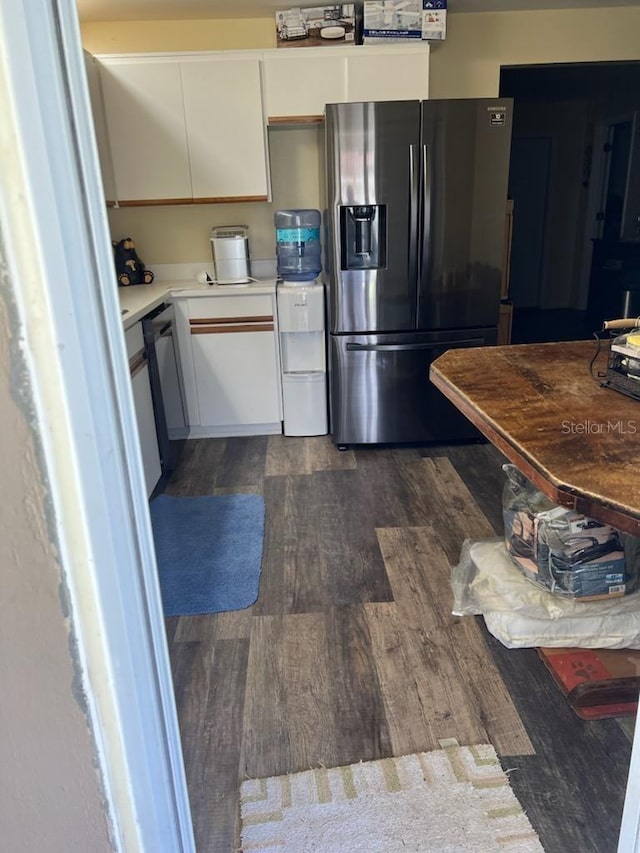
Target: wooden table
577, 442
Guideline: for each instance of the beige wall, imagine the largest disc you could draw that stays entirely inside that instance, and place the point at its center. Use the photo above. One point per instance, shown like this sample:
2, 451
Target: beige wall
150, 36
467, 64
50, 797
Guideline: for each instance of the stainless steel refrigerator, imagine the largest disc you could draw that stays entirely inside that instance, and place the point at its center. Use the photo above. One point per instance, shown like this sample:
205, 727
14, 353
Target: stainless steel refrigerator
415, 210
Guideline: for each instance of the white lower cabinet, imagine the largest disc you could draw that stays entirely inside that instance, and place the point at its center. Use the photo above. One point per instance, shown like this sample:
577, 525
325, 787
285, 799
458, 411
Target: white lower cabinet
232, 368
143, 403
236, 378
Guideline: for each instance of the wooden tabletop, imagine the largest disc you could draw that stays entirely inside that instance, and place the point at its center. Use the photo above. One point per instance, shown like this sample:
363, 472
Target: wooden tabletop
538, 403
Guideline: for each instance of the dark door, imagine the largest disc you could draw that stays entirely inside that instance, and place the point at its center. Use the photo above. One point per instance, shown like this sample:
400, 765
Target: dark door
464, 154
528, 183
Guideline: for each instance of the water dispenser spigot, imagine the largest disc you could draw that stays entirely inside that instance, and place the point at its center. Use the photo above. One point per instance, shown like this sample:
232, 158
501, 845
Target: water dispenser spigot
363, 236
363, 216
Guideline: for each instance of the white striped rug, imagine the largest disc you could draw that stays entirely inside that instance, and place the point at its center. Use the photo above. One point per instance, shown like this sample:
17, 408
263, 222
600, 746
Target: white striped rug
454, 800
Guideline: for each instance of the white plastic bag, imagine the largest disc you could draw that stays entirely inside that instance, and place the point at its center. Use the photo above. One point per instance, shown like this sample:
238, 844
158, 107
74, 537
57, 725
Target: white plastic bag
523, 615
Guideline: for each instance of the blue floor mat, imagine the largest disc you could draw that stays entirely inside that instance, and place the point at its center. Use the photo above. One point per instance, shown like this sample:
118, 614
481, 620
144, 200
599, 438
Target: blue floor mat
209, 551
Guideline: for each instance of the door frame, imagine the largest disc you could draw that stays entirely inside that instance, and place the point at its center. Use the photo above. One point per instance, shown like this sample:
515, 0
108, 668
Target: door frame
598, 177
67, 320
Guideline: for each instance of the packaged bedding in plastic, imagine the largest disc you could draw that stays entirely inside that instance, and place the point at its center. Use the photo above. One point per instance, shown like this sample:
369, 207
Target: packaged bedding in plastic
524, 615
560, 549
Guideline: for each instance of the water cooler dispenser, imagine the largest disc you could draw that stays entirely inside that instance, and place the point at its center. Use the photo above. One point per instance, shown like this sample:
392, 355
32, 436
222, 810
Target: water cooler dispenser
301, 322
302, 350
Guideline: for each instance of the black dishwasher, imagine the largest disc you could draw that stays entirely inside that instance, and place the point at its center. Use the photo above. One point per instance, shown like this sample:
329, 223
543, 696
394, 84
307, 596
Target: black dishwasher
158, 329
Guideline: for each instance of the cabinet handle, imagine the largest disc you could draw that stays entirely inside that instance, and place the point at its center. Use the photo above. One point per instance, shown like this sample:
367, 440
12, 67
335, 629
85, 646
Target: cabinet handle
220, 330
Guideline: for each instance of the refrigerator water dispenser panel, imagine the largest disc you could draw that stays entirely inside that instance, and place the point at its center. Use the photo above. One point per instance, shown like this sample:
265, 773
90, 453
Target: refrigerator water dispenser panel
363, 236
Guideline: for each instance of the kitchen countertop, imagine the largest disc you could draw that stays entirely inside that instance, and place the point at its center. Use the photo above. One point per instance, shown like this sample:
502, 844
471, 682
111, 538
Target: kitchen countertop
139, 299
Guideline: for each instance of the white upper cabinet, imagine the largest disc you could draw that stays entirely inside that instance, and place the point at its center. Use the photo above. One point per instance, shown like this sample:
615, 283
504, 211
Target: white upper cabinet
298, 83
145, 119
388, 75
100, 128
186, 128
190, 127
225, 128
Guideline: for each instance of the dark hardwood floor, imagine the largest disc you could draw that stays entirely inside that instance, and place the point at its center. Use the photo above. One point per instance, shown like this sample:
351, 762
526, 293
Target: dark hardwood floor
351, 654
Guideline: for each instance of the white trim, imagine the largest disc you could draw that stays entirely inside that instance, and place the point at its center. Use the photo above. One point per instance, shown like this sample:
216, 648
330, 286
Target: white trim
55, 226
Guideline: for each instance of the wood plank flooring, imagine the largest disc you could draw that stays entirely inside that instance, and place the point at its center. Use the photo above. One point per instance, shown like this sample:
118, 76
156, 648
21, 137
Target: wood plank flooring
351, 654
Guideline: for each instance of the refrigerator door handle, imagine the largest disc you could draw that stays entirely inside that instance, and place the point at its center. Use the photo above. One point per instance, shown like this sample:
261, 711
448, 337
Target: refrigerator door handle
414, 228
468, 342
425, 263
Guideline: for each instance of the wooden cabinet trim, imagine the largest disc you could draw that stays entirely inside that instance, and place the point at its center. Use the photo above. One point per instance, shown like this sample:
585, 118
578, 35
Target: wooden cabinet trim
221, 321
231, 199
311, 119
150, 202
219, 330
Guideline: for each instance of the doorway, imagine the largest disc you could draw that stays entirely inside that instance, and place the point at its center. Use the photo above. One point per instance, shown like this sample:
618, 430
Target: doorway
571, 245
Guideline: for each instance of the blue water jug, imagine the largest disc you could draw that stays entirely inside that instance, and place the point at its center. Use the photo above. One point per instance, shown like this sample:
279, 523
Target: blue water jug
298, 244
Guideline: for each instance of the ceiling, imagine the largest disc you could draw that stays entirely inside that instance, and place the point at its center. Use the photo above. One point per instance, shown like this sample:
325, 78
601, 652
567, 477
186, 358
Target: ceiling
158, 10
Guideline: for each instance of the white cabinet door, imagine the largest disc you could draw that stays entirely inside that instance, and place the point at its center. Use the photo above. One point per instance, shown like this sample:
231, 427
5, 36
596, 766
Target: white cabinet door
236, 378
100, 128
395, 73
146, 425
145, 119
225, 128
230, 362
300, 82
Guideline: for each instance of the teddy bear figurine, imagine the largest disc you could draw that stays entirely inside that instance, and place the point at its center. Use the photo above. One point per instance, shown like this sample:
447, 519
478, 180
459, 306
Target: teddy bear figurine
129, 267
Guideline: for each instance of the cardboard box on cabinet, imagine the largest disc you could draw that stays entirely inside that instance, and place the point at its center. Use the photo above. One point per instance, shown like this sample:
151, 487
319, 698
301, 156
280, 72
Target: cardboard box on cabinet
392, 21
314, 26
434, 20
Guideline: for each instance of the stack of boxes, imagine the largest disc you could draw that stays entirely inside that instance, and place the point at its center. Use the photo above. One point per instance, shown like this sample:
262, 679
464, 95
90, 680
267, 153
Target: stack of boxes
368, 22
